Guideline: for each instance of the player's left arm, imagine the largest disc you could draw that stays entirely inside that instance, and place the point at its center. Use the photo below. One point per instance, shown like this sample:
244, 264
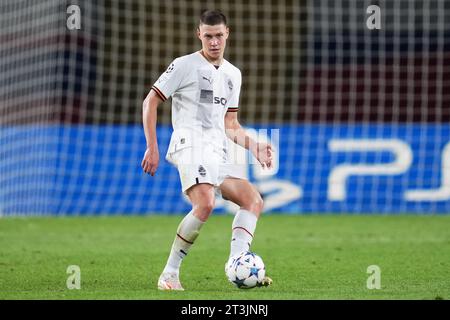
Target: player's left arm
261, 150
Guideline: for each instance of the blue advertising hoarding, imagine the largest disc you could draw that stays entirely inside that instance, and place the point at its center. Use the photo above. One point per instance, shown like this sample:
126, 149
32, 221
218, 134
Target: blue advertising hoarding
80, 170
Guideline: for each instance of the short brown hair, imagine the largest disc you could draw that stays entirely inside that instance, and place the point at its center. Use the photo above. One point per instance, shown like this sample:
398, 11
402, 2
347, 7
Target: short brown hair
213, 17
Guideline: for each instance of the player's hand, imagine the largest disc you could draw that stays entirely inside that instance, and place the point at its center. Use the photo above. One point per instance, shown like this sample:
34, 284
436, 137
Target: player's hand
151, 160
263, 154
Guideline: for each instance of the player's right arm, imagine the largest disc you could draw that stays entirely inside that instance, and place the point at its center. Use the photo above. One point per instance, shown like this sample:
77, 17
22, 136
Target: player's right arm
149, 115
168, 83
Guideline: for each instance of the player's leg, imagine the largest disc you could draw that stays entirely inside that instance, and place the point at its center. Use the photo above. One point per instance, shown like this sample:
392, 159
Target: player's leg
202, 199
247, 197
244, 194
198, 170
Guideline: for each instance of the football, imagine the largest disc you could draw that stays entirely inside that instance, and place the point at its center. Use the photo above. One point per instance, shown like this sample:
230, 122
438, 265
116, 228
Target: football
245, 270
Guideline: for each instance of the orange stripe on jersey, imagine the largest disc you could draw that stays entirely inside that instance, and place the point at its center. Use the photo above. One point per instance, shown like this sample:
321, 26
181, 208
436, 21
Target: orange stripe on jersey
232, 109
159, 93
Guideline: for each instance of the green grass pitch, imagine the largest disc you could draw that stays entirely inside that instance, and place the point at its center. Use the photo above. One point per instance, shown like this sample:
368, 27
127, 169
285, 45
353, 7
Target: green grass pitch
308, 257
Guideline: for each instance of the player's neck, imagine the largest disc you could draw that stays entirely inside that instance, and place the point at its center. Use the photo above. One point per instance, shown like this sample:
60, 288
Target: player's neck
215, 62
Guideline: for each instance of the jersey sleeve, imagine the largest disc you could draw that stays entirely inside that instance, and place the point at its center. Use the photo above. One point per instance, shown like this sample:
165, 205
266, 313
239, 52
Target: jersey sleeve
233, 105
170, 81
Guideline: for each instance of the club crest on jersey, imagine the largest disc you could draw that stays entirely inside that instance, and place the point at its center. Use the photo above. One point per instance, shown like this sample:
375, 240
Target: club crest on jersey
230, 85
170, 68
202, 171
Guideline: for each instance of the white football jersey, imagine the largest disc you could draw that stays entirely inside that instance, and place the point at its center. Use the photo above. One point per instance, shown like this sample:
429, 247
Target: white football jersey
201, 96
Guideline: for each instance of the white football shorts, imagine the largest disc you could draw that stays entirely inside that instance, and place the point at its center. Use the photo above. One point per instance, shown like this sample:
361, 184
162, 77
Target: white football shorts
205, 164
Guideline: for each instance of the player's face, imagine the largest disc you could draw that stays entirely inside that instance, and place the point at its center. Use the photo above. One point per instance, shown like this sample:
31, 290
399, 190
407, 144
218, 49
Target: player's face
214, 39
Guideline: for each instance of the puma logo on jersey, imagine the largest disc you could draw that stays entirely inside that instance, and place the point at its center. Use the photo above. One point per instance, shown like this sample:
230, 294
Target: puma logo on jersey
208, 79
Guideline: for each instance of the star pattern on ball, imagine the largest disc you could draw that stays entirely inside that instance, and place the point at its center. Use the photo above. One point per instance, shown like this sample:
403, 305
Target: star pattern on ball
254, 272
239, 283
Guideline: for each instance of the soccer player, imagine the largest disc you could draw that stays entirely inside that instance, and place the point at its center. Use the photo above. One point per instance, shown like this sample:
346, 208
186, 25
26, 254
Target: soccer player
205, 92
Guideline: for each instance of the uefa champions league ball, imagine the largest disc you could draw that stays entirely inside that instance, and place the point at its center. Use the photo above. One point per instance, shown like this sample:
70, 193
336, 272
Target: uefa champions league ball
245, 270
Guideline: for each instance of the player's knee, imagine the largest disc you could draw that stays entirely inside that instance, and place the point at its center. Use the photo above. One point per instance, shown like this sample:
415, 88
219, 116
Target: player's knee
259, 204
207, 206
255, 204
204, 208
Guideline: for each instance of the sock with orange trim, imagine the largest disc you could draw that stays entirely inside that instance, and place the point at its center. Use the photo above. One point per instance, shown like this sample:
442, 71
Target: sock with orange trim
243, 228
187, 232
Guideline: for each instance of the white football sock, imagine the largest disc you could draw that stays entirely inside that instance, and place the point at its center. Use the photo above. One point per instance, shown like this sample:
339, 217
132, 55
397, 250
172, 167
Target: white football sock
244, 225
187, 232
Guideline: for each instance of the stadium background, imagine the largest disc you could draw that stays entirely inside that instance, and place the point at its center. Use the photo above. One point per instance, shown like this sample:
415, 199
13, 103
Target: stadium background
363, 115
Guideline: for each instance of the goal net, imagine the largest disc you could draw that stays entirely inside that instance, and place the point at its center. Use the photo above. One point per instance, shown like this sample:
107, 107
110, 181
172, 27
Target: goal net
355, 94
